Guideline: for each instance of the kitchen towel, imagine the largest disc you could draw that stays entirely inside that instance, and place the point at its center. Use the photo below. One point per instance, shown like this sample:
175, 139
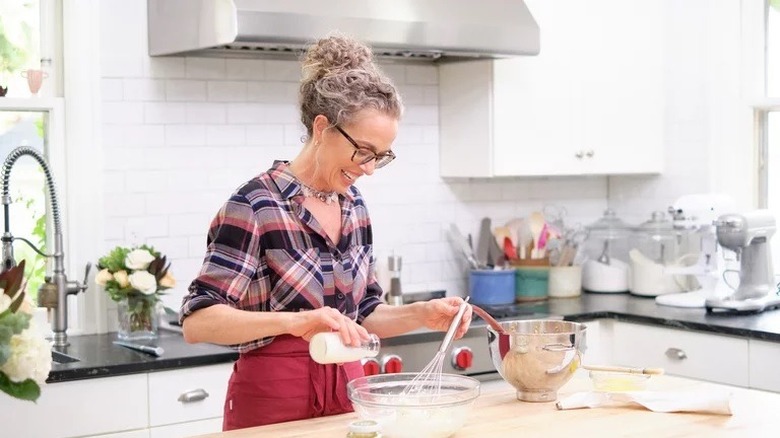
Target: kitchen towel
710, 402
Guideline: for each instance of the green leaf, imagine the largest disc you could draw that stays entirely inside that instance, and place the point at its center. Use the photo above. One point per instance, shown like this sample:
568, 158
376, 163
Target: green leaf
27, 390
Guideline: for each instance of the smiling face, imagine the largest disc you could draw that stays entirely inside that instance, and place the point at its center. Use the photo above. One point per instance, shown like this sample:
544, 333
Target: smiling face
370, 129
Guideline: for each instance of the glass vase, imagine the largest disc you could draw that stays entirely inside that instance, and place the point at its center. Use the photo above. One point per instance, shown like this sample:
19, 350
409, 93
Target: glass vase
138, 318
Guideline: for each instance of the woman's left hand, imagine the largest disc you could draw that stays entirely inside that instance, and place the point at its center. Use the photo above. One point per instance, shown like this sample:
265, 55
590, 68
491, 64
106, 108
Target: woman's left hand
439, 313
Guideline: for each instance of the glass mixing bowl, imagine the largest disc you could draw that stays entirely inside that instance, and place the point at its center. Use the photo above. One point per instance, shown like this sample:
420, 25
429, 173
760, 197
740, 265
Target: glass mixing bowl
424, 414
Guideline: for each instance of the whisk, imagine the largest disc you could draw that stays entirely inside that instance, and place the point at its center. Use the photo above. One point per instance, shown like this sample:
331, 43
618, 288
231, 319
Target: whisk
428, 381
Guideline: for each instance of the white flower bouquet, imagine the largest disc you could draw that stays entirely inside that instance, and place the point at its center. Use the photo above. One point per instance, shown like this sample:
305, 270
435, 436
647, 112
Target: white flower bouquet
137, 276
25, 356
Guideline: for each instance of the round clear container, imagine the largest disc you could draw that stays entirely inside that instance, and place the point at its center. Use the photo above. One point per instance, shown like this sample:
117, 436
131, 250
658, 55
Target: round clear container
610, 381
606, 248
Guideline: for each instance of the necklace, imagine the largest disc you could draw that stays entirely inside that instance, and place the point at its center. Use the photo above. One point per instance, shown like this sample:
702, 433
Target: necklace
326, 197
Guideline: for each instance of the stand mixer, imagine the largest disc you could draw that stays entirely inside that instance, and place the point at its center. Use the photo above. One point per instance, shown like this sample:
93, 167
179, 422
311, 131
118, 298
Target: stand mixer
698, 212
748, 236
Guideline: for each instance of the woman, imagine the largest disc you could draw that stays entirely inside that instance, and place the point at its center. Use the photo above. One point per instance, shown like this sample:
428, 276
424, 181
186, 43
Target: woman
289, 254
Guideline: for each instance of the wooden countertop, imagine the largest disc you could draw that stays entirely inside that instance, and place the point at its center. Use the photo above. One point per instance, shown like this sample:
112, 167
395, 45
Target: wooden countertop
498, 413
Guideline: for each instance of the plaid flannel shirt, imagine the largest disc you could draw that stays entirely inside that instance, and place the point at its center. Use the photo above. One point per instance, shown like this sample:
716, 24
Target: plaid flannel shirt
266, 253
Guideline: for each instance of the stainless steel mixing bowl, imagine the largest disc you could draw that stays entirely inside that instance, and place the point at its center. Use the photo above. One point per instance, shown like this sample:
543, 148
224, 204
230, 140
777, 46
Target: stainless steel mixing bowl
537, 357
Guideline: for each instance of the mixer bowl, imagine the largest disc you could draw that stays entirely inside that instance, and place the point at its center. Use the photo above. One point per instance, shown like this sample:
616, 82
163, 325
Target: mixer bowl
537, 357
380, 398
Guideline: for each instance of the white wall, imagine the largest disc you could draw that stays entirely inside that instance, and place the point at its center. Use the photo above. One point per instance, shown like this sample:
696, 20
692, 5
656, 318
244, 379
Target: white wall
180, 134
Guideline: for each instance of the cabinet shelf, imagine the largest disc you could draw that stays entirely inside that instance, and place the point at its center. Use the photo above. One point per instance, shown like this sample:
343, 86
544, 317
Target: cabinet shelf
30, 103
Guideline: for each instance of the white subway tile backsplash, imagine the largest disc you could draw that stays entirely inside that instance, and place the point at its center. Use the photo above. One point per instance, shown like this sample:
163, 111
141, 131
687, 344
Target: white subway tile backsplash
206, 113
146, 181
147, 226
245, 69
185, 90
128, 204
294, 135
172, 247
265, 135
227, 91
275, 113
205, 68
141, 136
226, 135
111, 89
396, 72
422, 74
246, 113
164, 68
289, 71
123, 112
144, 89
185, 135
421, 115
272, 92
163, 112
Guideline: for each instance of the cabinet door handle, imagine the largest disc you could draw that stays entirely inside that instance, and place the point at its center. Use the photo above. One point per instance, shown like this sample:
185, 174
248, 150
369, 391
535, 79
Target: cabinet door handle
579, 154
590, 153
676, 353
193, 395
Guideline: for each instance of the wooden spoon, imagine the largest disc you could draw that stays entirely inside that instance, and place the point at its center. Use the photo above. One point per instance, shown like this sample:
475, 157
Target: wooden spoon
536, 224
495, 325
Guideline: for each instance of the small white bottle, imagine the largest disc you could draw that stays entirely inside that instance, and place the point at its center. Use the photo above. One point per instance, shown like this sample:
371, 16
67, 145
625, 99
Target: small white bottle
326, 347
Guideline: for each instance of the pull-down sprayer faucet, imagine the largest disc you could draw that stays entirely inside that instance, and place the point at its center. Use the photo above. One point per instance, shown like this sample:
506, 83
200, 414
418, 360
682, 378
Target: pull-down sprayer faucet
53, 294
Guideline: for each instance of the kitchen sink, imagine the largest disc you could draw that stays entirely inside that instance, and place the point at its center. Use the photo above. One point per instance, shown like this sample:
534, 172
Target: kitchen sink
62, 358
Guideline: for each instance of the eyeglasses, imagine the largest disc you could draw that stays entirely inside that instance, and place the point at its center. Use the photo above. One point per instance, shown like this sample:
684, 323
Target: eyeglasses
365, 155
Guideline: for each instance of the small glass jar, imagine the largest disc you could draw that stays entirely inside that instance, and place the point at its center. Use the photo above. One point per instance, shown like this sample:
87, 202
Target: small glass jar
364, 429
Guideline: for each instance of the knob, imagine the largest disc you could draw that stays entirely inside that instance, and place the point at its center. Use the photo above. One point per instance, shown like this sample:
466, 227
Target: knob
676, 353
392, 364
462, 358
579, 154
590, 153
370, 366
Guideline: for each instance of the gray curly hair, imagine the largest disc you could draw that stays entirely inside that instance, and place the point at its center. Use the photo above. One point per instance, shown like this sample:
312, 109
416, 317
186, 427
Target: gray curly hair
341, 79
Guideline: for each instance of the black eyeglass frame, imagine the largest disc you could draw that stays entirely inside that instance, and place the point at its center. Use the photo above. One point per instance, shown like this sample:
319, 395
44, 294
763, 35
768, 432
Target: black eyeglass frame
374, 156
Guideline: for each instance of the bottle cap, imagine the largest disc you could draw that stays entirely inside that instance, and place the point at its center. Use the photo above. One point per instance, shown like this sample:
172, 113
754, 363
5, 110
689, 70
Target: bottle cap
364, 426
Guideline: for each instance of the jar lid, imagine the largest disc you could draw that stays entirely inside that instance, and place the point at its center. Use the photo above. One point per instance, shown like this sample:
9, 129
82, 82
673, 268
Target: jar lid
610, 226
364, 426
658, 225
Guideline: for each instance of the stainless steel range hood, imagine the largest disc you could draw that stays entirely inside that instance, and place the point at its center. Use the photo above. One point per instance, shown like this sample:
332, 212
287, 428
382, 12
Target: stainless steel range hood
406, 29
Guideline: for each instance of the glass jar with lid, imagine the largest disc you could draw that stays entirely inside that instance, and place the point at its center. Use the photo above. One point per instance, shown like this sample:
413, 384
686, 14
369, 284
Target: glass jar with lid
657, 247
606, 248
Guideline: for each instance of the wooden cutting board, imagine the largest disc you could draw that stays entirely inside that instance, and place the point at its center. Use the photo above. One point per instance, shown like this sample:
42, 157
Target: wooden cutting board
498, 413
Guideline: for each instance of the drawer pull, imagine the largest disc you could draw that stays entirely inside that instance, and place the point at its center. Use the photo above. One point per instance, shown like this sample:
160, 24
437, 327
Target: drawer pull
193, 395
676, 353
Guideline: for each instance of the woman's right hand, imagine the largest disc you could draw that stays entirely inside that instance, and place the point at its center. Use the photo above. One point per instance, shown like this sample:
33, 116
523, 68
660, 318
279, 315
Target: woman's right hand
325, 319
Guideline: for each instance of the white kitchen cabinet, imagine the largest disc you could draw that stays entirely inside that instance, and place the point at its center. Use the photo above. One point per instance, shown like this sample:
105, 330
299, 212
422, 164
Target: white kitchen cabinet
764, 357
591, 103
714, 357
598, 342
188, 394
79, 408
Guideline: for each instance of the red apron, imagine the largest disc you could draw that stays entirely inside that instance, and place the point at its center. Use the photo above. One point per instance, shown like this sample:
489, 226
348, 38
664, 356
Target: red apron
280, 382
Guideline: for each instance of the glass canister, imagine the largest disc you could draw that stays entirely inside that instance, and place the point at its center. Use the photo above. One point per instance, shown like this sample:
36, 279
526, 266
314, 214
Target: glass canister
657, 248
606, 248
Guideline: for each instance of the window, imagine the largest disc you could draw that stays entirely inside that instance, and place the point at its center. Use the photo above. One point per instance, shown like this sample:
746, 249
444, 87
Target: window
767, 117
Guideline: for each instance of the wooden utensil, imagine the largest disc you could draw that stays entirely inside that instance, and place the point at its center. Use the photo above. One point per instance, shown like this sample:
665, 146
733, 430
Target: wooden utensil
536, 224
616, 369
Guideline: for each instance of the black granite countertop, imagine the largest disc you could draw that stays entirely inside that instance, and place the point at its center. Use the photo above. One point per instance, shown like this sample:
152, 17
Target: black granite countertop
99, 357
625, 307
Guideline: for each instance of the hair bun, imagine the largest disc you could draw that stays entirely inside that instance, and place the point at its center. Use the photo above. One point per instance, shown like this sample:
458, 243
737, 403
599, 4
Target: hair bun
334, 54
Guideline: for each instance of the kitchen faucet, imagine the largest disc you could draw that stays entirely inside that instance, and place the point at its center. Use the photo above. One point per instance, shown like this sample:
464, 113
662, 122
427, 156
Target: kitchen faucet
53, 294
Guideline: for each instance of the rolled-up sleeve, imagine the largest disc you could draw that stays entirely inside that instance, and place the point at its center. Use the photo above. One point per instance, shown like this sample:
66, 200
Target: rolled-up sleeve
231, 261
